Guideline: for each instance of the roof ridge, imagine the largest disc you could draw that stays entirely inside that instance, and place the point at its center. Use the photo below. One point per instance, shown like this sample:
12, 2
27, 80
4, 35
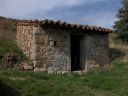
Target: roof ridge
47, 22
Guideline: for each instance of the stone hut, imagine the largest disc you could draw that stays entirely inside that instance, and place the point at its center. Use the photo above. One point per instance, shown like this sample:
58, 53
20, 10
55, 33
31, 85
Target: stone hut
62, 47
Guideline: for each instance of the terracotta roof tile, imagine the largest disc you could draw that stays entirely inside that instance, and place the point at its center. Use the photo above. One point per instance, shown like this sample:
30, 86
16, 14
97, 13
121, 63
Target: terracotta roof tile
58, 23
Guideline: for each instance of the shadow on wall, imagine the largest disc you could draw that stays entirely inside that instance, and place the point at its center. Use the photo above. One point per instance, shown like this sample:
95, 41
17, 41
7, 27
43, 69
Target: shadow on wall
6, 90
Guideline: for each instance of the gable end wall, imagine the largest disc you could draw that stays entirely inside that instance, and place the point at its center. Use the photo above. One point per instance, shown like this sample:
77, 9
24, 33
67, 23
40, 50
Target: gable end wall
24, 39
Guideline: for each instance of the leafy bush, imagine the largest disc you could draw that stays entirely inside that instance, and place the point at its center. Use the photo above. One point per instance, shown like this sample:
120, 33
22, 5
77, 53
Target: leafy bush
123, 36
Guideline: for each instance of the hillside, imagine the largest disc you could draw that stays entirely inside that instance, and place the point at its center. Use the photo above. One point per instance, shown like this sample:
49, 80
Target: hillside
7, 28
8, 40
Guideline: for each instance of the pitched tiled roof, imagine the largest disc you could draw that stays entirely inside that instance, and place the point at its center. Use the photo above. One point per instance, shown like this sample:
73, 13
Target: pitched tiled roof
61, 25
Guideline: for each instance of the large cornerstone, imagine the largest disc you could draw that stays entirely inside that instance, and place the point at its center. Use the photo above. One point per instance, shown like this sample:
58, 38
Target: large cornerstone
62, 47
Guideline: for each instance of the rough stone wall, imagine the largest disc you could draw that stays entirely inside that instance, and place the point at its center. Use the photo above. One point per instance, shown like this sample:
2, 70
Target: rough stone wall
97, 50
51, 50
24, 39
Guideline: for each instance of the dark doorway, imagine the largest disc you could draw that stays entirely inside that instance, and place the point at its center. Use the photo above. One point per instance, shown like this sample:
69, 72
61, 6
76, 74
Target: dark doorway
75, 52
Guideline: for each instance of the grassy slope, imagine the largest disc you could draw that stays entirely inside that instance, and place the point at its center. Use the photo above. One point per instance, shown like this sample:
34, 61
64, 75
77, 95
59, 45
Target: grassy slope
7, 28
6, 47
112, 82
8, 37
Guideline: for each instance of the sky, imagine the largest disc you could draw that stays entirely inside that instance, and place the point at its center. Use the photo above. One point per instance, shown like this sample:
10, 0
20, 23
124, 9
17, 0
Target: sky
87, 12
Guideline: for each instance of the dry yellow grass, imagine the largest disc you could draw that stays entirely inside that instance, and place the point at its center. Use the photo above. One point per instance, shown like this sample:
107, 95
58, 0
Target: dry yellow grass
120, 45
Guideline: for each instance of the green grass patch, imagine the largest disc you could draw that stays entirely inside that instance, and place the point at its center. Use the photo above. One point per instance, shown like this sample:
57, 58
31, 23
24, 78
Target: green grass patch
7, 46
111, 82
